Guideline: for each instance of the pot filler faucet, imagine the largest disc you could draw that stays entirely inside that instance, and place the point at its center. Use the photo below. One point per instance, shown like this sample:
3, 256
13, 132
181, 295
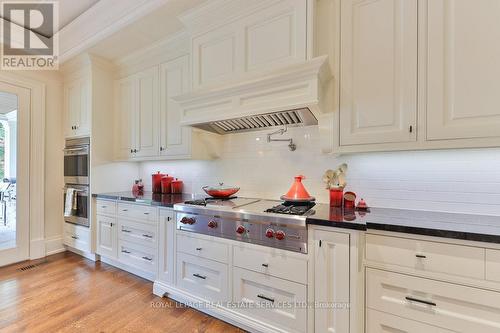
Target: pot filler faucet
292, 146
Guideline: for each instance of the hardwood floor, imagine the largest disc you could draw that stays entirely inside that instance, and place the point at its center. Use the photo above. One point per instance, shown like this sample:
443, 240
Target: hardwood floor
67, 293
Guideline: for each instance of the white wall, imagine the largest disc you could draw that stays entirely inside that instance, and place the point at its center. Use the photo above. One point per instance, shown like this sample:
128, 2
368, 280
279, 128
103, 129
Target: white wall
465, 181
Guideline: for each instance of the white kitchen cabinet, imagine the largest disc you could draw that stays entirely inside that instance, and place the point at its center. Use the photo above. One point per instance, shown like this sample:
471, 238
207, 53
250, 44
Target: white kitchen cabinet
77, 237
266, 35
137, 115
77, 104
378, 94
128, 236
124, 118
463, 72
106, 236
167, 246
331, 281
175, 140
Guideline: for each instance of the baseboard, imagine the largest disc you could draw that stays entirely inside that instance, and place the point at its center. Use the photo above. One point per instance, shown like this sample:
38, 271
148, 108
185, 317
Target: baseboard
88, 255
230, 316
54, 245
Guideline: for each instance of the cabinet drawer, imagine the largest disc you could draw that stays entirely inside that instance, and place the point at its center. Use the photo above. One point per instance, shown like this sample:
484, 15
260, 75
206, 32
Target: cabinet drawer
449, 306
106, 207
77, 237
271, 262
272, 300
493, 265
138, 256
141, 233
202, 277
426, 256
137, 212
380, 322
203, 248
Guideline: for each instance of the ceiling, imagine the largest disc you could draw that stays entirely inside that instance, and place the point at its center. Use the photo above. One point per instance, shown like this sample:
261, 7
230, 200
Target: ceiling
8, 102
145, 31
68, 11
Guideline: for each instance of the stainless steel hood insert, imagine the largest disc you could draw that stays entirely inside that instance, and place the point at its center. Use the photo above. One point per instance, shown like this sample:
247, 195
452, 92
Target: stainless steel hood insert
292, 118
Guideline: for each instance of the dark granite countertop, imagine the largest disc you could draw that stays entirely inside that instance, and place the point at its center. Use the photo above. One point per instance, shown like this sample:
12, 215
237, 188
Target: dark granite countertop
161, 200
483, 228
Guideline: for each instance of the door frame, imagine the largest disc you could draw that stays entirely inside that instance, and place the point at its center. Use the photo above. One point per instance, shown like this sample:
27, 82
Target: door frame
37, 91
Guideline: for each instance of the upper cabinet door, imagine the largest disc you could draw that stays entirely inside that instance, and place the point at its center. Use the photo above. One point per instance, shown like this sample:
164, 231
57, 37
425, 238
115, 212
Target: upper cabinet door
78, 107
146, 115
174, 80
378, 94
124, 117
463, 69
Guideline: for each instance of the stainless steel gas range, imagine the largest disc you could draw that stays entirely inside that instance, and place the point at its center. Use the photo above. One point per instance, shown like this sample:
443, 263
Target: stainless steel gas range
264, 222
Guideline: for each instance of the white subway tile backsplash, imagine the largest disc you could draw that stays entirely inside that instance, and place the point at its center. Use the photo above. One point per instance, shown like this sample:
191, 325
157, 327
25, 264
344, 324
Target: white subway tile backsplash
466, 181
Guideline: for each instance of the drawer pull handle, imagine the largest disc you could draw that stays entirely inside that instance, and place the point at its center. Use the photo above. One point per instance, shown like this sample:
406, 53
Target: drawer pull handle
104, 207
147, 236
200, 276
421, 256
147, 258
411, 299
266, 298
125, 230
124, 210
265, 265
74, 237
125, 251
146, 213
198, 249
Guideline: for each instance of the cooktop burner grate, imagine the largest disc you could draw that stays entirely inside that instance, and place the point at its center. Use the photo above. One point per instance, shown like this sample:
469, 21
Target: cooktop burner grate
205, 201
291, 208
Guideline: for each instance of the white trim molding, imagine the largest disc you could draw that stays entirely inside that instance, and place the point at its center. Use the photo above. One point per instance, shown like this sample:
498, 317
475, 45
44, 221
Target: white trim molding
54, 245
37, 160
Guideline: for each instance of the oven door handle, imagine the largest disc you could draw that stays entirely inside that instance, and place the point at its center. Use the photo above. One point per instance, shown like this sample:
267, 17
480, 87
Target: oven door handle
85, 149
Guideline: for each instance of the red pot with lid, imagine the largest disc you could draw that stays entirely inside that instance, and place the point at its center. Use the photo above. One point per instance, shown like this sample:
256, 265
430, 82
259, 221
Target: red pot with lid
156, 182
177, 186
297, 192
166, 182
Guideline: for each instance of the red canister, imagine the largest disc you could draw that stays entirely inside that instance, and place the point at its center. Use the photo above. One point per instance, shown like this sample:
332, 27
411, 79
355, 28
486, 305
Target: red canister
156, 182
166, 182
177, 186
336, 196
349, 199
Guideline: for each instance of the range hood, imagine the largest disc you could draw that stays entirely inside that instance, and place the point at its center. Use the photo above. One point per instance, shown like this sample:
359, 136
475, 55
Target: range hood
291, 96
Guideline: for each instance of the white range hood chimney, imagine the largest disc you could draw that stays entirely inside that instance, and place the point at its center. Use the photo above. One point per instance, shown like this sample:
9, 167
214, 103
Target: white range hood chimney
291, 96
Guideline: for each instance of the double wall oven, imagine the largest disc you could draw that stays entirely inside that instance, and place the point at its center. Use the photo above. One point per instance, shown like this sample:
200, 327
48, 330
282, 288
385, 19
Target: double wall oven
76, 177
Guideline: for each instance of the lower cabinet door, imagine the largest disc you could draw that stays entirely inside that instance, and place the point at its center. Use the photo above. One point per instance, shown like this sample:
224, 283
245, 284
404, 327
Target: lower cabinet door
380, 322
332, 281
106, 236
274, 301
138, 256
204, 278
167, 243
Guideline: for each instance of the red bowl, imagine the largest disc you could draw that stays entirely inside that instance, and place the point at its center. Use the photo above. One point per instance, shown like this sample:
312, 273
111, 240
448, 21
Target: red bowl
222, 193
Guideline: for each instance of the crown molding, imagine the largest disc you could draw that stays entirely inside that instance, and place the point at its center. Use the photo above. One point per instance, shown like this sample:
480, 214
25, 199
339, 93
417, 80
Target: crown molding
100, 21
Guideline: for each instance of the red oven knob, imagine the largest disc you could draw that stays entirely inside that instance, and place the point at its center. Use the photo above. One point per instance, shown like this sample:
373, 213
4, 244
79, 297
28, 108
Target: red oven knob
280, 235
188, 220
212, 224
241, 229
269, 233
